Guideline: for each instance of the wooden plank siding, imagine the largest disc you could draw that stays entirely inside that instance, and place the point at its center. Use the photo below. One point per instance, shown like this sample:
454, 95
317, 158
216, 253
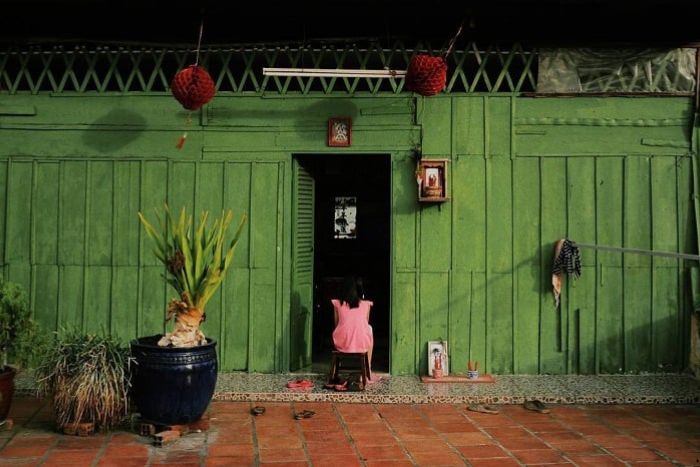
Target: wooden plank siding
475, 270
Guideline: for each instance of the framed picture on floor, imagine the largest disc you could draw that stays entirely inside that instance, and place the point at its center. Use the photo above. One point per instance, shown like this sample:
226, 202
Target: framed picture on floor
437, 357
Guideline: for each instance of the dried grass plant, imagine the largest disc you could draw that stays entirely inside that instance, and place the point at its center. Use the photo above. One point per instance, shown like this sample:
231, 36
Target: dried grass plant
88, 377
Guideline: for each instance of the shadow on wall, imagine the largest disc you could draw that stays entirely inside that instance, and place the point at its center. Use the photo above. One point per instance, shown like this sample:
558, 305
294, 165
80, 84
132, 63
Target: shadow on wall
654, 345
600, 327
114, 130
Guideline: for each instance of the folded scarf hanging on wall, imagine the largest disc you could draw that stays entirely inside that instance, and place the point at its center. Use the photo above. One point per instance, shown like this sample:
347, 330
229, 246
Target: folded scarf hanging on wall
567, 258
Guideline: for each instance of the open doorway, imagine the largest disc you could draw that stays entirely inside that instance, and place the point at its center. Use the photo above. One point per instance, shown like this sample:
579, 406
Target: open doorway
351, 235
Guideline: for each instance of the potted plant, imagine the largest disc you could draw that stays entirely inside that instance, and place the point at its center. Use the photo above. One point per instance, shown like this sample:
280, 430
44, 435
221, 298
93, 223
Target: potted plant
176, 373
18, 339
88, 377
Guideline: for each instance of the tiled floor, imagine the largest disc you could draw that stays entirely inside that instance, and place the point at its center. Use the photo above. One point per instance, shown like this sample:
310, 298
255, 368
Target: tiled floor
351, 434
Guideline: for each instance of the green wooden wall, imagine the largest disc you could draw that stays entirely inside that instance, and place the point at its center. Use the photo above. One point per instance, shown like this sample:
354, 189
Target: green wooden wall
524, 172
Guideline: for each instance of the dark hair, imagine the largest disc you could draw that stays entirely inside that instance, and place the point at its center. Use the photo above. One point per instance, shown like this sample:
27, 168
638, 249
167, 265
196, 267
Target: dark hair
352, 291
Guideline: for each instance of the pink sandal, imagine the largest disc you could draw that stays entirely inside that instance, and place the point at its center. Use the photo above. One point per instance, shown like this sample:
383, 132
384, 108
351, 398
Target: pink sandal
342, 387
300, 384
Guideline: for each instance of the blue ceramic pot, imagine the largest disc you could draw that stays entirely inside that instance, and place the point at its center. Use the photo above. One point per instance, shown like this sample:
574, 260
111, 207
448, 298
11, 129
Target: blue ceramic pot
172, 385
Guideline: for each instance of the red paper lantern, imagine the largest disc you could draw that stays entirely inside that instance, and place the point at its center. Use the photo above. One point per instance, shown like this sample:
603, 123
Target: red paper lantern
426, 75
193, 87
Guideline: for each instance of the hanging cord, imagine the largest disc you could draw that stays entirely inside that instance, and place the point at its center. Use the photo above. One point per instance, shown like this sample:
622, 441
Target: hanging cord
453, 40
181, 141
199, 41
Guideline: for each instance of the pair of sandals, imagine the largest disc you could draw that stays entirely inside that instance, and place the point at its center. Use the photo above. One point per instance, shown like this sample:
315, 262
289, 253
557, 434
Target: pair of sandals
300, 384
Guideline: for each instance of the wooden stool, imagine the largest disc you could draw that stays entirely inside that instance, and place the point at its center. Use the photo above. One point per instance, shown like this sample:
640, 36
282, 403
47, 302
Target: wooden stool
361, 357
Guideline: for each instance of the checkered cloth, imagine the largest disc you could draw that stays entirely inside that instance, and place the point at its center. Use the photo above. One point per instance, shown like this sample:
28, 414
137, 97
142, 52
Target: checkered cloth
567, 259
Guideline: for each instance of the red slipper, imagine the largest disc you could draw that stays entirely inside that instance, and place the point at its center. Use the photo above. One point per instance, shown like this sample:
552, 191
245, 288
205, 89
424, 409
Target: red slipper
300, 384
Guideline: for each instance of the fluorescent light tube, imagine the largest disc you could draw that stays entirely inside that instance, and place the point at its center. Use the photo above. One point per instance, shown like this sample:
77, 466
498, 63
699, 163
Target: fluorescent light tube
334, 73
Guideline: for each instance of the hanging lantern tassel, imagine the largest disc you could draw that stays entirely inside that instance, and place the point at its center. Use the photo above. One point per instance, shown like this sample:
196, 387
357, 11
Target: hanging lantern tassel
181, 141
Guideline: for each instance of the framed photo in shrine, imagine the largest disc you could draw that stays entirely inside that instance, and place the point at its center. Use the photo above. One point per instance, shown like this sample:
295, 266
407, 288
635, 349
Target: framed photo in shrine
340, 131
431, 178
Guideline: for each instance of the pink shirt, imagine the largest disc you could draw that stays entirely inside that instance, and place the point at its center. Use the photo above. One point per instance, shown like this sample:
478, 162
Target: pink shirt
353, 332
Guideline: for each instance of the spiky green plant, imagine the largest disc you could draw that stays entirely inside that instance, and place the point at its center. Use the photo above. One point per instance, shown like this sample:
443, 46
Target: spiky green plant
196, 263
88, 376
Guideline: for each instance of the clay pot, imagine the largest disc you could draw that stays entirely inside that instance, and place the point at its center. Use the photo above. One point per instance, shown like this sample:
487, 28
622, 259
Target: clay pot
437, 373
7, 390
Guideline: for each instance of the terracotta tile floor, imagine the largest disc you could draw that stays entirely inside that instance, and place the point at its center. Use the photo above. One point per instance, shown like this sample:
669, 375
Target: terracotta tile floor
341, 434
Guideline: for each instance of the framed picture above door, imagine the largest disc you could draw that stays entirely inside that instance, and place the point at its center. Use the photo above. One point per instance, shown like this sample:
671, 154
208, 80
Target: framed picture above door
339, 131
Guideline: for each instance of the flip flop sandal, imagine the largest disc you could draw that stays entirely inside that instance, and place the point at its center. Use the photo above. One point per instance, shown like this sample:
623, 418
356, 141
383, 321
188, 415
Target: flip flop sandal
329, 386
481, 408
257, 410
304, 414
536, 406
341, 387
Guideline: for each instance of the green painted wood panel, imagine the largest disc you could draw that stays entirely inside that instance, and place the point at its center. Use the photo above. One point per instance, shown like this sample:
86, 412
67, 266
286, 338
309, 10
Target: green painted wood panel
475, 270
637, 292
434, 306
527, 257
97, 298
46, 209
468, 125
404, 324
478, 335
609, 214
469, 224
435, 116
459, 320
125, 205
499, 263
581, 203
265, 182
435, 228
602, 126
4, 204
100, 219
498, 130
404, 193
45, 299
687, 242
235, 316
71, 212
19, 203
665, 311
553, 226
